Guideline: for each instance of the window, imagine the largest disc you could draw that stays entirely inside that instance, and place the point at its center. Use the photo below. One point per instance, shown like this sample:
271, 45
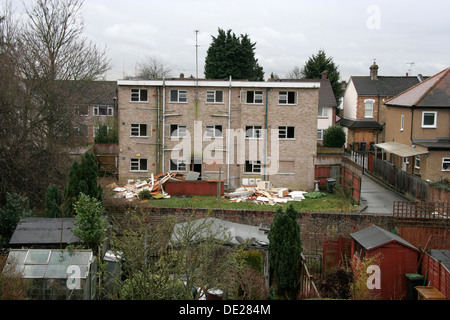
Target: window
139, 95
253, 132
417, 162
177, 131
402, 123
320, 134
445, 164
323, 112
429, 119
138, 164
83, 110
103, 111
214, 96
368, 110
96, 128
139, 130
213, 131
177, 165
287, 97
178, 96
254, 97
253, 166
286, 132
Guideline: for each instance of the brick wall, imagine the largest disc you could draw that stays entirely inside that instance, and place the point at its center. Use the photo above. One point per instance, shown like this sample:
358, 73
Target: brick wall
313, 225
300, 151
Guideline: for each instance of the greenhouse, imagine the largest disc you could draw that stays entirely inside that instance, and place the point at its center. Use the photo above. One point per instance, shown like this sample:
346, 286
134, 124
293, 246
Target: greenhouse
57, 274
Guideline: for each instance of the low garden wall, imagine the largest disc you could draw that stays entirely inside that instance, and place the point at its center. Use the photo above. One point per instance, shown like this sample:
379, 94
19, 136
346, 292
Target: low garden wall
313, 225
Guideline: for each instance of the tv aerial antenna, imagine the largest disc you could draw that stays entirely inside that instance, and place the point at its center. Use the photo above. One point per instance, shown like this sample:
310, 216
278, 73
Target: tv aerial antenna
411, 65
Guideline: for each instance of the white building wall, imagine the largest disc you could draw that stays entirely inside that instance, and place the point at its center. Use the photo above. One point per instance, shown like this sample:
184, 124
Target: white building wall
350, 101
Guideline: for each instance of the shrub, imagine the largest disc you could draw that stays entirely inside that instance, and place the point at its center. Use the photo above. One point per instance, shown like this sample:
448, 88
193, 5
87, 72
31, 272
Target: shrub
145, 195
334, 137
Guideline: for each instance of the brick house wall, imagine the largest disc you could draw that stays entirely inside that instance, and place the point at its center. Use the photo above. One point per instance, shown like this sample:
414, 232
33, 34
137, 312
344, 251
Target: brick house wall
296, 155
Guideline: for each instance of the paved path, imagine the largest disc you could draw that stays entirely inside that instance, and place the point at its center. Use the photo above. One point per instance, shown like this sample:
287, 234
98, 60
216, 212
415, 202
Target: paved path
378, 198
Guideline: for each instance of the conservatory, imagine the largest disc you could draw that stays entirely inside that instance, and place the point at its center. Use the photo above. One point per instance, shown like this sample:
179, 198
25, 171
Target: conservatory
57, 274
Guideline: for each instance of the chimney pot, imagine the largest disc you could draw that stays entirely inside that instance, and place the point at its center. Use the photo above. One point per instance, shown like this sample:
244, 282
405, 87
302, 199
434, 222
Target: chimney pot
374, 71
325, 74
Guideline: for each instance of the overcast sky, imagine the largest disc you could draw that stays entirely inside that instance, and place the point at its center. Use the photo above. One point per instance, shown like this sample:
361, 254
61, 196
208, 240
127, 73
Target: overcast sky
287, 32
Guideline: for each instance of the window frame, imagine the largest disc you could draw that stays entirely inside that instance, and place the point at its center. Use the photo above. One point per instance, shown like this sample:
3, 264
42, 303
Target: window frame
417, 162
256, 94
427, 126
445, 160
109, 110
324, 113
255, 131
256, 166
214, 131
286, 132
139, 94
95, 129
367, 102
214, 96
139, 161
402, 122
321, 131
286, 94
139, 135
178, 96
178, 131
177, 163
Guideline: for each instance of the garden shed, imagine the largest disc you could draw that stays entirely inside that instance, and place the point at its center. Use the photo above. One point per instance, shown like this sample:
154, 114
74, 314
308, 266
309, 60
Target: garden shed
48, 233
397, 257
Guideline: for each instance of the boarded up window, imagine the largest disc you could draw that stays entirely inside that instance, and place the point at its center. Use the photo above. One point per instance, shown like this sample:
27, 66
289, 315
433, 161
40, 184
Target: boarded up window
286, 166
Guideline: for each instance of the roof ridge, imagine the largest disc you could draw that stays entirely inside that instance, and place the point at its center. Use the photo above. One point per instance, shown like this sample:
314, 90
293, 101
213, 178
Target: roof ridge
445, 71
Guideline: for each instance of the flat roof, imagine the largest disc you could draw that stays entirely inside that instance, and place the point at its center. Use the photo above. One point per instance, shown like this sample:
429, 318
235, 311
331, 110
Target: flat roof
314, 84
400, 149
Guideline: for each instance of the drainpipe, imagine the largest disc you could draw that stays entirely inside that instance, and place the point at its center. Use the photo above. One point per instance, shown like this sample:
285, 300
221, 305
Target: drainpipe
163, 124
228, 135
158, 148
265, 134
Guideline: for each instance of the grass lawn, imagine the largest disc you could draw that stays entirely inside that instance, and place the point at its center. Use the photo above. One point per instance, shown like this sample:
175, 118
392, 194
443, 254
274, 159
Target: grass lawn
330, 202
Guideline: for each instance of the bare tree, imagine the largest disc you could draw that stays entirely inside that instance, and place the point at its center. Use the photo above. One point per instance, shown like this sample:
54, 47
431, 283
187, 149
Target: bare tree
295, 73
47, 63
153, 68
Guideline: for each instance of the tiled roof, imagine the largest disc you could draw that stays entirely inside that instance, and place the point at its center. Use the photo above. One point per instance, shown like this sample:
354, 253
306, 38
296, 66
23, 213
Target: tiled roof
432, 92
383, 86
360, 124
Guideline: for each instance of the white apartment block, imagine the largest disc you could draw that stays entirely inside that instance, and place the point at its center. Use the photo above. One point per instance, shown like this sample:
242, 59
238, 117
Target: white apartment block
240, 131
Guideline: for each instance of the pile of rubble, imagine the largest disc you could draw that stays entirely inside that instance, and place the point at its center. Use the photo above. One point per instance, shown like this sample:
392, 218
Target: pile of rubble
260, 195
155, 185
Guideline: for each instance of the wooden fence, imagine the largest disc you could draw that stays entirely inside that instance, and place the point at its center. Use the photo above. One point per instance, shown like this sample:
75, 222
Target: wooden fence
307, 287
401, 180
335, 253
425, 224
435, 273
346, 172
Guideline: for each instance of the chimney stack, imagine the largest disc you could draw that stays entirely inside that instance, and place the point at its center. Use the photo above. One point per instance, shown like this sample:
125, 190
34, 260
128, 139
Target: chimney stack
374, 71
325, 75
